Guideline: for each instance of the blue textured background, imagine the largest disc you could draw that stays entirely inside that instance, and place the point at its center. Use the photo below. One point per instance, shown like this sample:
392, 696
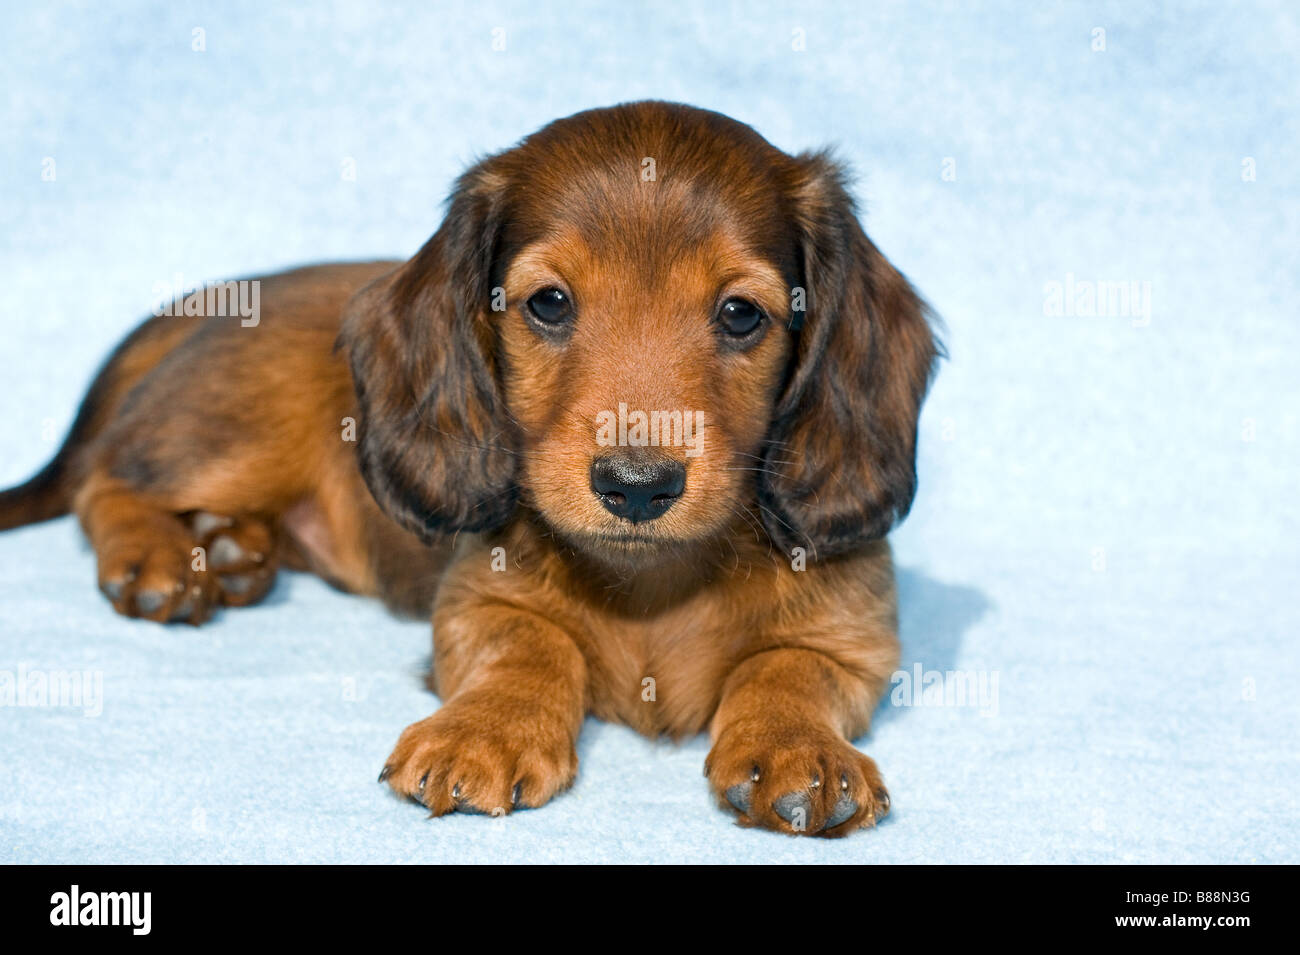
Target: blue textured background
1108, 514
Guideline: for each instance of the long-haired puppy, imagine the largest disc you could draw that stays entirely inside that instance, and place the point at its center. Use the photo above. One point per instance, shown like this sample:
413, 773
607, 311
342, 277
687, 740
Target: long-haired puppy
633, 425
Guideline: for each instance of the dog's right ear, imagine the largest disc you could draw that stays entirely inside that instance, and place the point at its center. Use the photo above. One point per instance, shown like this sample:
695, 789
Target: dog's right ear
434, 441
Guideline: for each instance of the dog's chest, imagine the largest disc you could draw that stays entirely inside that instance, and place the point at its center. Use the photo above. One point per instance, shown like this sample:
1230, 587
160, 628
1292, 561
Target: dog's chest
661, 675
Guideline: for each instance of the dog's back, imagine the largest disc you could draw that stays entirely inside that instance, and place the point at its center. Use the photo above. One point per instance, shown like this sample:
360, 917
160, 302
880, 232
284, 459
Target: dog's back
226, 415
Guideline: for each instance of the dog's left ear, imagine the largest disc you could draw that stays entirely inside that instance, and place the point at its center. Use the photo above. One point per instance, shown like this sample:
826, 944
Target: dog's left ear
841, 457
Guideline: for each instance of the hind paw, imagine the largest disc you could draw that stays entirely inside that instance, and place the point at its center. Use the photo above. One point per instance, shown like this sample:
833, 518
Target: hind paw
154, 573
239, 553
171, 569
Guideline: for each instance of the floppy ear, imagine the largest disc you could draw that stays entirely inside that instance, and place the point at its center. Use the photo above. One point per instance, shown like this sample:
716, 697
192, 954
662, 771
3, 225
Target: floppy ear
433, 439
840, 466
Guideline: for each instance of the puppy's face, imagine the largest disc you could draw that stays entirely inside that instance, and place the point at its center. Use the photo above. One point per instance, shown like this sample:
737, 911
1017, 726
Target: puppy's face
642, 359
643, 322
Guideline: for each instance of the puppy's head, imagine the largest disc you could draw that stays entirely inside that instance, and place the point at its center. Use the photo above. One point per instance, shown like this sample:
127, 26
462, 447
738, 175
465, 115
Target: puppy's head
644, 322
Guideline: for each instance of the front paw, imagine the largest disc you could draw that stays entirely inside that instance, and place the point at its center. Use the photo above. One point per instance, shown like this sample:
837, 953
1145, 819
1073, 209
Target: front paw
483, 755
797, 780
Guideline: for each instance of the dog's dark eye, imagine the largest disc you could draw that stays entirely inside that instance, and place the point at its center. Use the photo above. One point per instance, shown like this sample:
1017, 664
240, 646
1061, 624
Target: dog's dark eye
551, 306
739, 317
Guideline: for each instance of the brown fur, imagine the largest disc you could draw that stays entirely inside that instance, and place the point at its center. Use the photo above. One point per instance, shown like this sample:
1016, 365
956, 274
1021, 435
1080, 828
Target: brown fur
476, 435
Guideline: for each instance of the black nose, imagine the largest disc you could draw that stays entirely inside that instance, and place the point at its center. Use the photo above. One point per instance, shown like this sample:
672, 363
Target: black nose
639, 488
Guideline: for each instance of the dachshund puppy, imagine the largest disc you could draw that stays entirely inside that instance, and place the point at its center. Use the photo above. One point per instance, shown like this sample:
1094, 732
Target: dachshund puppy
633, 425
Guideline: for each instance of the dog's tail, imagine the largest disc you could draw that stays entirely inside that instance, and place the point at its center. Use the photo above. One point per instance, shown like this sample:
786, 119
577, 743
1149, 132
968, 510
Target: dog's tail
49, 494
44, 497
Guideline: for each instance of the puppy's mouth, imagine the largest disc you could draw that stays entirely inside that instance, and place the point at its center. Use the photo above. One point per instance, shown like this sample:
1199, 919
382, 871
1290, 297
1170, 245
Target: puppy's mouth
634, 539
635, 543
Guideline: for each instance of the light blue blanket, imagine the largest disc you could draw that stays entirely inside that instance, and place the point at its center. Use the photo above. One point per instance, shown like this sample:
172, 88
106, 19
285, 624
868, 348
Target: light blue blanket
1105, 543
